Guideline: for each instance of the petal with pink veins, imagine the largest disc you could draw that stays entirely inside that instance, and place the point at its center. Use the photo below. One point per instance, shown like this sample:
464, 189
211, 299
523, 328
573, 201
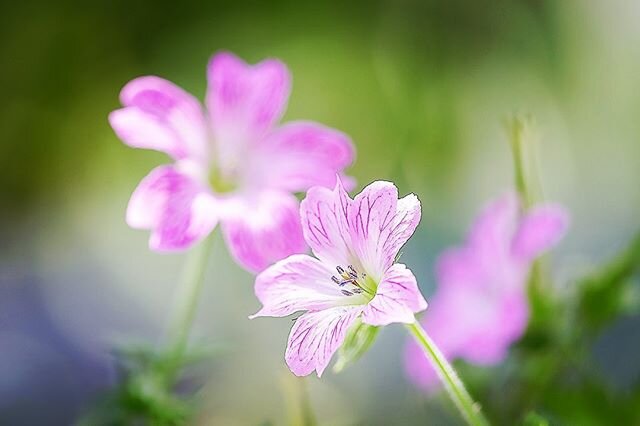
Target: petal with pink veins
302, 154
380, 225
267, 230
316, 336
299, 282
159, 115
324, 223
397, 299
179, 210
540, 229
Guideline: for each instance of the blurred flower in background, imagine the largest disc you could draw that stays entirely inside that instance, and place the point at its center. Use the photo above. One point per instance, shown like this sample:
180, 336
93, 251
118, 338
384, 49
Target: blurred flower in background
481, 305
231, 165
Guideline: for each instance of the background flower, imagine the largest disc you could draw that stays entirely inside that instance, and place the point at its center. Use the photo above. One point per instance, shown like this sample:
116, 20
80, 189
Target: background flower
480, 306
233, 164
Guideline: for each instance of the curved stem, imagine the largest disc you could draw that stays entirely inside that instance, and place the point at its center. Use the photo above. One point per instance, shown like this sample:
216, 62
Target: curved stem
187, 299
452, 383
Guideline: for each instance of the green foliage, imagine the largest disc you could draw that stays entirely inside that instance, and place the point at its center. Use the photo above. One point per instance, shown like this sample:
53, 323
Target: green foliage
534, 419
550, 369
602, 295
146, 392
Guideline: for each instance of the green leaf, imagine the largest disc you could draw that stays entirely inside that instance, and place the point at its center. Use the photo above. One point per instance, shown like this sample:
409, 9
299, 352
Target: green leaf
604, 294
359, 339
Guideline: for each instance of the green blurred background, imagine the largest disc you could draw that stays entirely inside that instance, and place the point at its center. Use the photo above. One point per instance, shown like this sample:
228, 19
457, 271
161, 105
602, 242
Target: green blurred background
422, 87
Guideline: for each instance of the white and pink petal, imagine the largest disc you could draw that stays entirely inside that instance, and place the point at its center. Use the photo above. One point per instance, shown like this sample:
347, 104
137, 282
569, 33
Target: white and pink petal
316, 336
397, 299
323, 213
380, 224
297, 283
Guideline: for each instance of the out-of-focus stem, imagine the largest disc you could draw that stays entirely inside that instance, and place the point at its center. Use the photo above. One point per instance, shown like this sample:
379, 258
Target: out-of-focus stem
297, 401
523, 139
452, 383
187, 299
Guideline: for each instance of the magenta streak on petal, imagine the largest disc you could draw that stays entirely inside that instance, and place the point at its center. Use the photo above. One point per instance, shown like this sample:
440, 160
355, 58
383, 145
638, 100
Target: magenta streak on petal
397, 300
316, 336
299, 282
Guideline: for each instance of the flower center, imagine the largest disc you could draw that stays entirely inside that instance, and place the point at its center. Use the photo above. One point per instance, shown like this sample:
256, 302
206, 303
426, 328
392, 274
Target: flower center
219, 183
351, 282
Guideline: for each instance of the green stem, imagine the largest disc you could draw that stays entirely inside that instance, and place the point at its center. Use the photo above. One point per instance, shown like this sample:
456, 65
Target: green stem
187, 300
457, 392
523, 140
297, 401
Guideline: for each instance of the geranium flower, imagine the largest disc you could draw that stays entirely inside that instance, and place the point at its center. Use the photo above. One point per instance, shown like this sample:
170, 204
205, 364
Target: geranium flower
353, 274
232, 163
480, 306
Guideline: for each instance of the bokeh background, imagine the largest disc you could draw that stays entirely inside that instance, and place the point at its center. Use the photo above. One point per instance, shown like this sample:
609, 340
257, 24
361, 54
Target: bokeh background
421, 86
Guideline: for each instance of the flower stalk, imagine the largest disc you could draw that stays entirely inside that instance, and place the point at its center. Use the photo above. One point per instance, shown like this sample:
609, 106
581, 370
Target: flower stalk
469, 409
523, 140
187, 299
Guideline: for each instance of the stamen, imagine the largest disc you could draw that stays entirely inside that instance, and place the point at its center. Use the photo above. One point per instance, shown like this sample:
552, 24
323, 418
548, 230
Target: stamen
352, 272
350, 276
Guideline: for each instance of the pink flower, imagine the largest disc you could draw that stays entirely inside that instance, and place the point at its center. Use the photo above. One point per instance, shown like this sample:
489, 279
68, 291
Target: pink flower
480, 306
353, 274
232, 163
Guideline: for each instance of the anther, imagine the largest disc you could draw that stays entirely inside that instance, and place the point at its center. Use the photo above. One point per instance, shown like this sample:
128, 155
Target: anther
346, 292
340, 269
335, 280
